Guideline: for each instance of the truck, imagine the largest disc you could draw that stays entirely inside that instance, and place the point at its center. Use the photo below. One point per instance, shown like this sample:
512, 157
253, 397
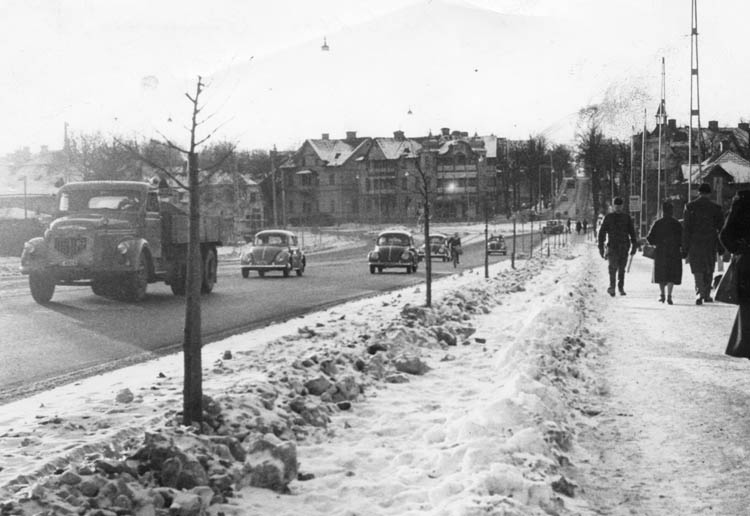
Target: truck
117, 237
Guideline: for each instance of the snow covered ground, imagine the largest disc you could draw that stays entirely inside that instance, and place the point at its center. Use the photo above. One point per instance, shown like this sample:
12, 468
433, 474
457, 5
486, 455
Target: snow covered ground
529, 393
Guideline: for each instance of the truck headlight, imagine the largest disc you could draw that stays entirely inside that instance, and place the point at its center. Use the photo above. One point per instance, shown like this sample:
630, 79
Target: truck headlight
123, 247
29, 248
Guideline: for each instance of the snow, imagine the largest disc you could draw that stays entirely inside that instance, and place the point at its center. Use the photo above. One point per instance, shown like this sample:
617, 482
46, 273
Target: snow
557, 399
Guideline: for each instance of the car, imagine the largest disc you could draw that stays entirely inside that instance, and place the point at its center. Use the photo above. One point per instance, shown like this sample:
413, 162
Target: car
496, 245
438, 248
273, 250
393, 249
553, 227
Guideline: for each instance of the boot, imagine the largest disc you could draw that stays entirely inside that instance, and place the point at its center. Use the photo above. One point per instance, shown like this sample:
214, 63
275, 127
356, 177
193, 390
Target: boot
621, 286
611, 291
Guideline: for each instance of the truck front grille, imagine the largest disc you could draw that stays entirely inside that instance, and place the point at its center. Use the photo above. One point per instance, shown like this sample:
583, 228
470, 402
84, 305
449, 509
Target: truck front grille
70, 246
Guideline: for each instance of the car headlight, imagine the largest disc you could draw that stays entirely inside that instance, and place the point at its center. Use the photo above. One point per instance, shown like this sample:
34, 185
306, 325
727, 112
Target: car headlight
406, 255
282, 258
123, 247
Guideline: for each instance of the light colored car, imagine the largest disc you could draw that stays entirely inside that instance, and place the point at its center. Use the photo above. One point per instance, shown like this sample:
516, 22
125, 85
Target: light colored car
273, 250
393, 249
438, 248
496, 245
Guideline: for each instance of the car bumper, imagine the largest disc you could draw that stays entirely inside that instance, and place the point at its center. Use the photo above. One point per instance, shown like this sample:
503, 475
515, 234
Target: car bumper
390, 264
280, 267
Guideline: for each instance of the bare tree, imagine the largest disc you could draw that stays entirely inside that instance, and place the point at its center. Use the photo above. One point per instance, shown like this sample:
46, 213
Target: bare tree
192, 341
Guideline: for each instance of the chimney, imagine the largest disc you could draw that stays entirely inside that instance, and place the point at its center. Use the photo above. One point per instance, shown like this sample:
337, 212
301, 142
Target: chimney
398, 136
713, 125
325, 136
672, 124
351, 135
446, 131
745, 126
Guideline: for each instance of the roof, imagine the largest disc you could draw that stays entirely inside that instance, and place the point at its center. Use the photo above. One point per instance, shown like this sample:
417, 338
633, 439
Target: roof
394, 148
733, 164
333, 152
115, 185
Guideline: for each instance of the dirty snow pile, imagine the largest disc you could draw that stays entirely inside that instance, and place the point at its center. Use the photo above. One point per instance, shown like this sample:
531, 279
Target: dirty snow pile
377, 407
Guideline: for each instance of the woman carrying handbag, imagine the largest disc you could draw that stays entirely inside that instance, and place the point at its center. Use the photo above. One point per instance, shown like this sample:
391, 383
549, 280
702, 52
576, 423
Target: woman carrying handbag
666, 235
735, 237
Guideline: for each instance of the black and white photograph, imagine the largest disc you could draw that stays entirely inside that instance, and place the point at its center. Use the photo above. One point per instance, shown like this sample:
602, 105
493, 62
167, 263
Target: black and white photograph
386, 258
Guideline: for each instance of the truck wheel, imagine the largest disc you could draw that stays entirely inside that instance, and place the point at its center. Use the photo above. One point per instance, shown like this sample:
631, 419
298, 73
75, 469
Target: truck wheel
136, 282
209, 272
42, 287
245, 273
372, 269
261, 273
104, 288
301, 268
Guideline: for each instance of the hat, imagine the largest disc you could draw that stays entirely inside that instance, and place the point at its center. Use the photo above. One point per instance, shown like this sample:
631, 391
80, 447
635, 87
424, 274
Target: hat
618, 200
704, 188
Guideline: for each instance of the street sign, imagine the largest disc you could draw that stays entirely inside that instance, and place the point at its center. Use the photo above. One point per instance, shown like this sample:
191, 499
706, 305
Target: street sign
635, 203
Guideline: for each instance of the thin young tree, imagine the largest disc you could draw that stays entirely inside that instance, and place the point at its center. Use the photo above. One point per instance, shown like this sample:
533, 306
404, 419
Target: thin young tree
192, 339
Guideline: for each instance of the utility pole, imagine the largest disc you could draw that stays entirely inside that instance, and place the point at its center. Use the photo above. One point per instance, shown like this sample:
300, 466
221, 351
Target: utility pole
644, 202
273, 186
695, 103
660, 119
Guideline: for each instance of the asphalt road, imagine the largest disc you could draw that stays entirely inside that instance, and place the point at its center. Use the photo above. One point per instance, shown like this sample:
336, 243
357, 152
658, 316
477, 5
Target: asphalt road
79, 334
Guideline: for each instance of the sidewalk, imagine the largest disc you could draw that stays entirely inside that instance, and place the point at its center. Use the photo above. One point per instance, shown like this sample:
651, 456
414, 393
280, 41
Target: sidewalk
671, 437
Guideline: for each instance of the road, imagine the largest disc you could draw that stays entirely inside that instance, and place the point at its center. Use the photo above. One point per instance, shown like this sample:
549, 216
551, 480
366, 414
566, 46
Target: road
79, 334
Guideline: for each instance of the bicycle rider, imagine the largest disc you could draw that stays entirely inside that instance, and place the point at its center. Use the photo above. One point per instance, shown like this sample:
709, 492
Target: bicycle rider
454, 244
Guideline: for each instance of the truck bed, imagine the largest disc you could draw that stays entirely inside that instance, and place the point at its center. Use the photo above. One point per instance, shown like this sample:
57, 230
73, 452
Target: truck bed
175, 229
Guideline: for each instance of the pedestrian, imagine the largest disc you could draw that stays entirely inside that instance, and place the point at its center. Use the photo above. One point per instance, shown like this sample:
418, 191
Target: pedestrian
666, 235
701, 225
454, 246
568, 225
735, 237
585, 225
618, 232
578, 227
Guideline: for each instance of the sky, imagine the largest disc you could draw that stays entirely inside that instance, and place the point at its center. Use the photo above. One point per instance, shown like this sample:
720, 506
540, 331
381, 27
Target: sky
510, 68
550, 375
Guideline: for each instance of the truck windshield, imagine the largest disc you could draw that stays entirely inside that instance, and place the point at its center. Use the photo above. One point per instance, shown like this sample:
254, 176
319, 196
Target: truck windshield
73, 201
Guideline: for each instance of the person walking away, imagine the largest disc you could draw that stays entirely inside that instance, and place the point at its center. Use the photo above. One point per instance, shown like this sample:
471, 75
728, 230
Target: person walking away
568, 225
578, 227
735, 237
702, 222
585, 225
666, 235
618, 232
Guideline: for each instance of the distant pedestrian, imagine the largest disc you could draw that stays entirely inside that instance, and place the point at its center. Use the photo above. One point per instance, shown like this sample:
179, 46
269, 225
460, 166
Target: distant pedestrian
585, 225
735, 237
701, 225
578, 227
666, 235
618, 233
567, 224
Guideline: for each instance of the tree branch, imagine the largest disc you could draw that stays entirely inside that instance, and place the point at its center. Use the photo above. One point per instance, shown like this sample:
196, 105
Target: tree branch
151, 163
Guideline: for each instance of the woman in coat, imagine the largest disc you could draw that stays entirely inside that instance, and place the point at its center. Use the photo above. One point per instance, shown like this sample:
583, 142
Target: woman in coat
666, 235
735, 237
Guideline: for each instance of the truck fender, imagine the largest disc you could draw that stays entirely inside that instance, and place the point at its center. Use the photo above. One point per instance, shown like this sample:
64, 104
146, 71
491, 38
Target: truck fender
136, 246
34, 253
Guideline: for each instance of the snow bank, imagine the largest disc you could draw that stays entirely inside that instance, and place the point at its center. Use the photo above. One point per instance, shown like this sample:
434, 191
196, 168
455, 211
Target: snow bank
387, 407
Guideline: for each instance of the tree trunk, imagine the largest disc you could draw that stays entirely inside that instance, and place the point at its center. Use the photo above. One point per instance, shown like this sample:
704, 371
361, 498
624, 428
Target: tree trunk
193, 388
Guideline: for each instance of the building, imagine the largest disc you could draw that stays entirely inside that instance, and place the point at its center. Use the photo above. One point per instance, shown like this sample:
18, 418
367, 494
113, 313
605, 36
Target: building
383, 179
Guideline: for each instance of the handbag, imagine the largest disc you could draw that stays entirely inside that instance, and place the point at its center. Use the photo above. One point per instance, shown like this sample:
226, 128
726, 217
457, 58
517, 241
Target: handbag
727, 291
649, 251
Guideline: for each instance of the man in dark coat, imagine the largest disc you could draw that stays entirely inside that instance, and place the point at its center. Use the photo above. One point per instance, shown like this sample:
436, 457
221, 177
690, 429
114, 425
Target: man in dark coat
618, 232
735, 237
702, 222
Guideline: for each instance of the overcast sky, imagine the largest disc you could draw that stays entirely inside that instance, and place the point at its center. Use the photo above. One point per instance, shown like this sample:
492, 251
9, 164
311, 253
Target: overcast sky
122, 67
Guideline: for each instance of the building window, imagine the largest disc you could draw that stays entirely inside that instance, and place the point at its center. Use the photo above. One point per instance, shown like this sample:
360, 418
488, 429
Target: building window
331, 179
306, 179
252, 197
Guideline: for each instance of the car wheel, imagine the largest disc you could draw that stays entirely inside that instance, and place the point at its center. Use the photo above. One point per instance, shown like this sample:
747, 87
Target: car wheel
261, 273
301, 269
285, 272
245, 273
372, 269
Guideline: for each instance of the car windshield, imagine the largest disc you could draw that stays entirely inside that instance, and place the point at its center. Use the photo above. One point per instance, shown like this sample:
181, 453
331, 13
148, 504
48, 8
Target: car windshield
271, 239
437, 239
393, 240
72, 201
